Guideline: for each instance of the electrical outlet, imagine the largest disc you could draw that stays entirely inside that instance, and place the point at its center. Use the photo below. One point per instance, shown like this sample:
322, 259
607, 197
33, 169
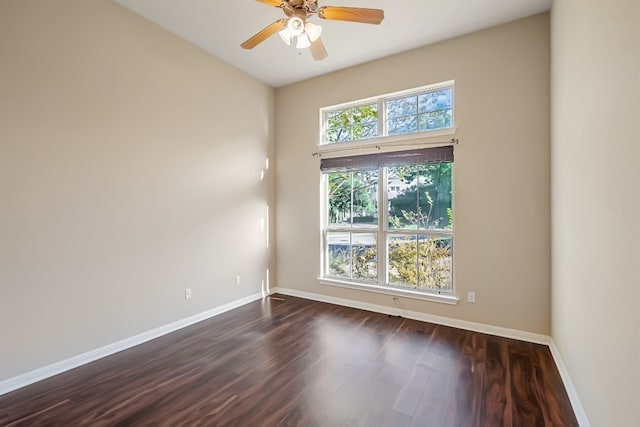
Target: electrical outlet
187, 293
471, 297
237, 280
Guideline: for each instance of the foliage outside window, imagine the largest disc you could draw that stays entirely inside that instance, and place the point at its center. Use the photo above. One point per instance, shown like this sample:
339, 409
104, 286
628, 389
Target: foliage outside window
353, 124
391, 225
422, 110
353, 222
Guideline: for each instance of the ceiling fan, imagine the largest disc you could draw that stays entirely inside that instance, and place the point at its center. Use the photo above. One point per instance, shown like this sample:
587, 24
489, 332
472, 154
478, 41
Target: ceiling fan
296, 27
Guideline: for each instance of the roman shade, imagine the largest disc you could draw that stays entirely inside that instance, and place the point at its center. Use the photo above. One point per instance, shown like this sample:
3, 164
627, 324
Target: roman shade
396, 158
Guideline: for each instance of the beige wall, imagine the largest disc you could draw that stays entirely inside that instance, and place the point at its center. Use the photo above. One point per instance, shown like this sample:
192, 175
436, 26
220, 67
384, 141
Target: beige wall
595, 181
502, 239
129, 170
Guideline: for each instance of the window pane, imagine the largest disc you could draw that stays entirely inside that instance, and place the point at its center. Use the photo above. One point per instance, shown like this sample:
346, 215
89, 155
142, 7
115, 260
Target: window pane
402, 107
352, 256
436, 120
338, 256
434, 107
352, 133
353, 199
364, 253
365, 199
340, 198
338, 135
402, 115
403, 197
403, 261
402, 125
365, 131
435, 262
420, 197
352, 124
433, 101
435, 196
424, 262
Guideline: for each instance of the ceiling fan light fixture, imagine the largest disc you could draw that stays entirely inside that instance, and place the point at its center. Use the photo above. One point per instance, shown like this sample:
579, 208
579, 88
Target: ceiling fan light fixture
313, 31
286, 36
295, 25
303, 41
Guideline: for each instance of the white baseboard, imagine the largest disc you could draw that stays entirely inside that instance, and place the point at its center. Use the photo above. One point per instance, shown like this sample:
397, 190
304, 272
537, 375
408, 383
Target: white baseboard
39, 374
578, 409
415, 315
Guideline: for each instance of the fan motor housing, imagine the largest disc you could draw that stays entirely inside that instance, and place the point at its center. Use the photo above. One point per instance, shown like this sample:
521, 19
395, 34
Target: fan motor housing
297, 11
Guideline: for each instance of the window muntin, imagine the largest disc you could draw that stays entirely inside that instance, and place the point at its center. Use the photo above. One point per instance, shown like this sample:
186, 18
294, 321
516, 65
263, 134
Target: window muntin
422, 110
407, 244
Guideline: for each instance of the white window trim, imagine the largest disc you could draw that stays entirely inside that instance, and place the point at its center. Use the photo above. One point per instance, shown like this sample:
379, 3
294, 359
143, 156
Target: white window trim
380, 100
385, 143
446, 297
398, 94
451, 299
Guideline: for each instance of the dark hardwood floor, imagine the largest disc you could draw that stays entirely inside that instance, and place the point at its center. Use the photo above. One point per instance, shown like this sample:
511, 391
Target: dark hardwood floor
286, 361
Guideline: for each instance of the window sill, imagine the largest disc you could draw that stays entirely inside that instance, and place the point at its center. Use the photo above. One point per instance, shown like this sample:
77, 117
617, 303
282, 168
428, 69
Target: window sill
417, 138
449, 299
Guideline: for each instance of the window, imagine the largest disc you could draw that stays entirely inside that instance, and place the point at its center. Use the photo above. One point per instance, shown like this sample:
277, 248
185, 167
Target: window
388, 215
421, 110
389, 219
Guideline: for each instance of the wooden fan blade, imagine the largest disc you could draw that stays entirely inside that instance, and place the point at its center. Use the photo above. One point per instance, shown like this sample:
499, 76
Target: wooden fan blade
354, 14
317, 50
266, 32
276, 3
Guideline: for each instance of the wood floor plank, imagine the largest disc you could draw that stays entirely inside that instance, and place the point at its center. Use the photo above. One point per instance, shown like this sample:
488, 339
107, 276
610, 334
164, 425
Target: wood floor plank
410, 393
496, 391
286, 361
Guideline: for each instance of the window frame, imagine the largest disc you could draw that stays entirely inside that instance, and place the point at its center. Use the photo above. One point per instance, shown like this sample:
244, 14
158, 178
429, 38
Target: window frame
383, 234
384, 144
383, 136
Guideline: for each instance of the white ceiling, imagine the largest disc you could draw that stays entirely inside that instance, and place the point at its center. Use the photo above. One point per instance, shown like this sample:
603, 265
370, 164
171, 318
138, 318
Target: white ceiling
219, 26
